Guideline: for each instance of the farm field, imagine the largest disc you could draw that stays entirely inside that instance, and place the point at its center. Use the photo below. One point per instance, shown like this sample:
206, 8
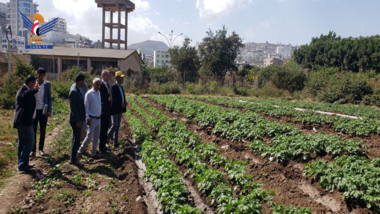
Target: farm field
244, 157
197, 154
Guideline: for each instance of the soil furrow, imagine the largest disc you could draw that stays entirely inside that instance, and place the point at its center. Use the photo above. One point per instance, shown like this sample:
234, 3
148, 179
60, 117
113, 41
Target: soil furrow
290, 186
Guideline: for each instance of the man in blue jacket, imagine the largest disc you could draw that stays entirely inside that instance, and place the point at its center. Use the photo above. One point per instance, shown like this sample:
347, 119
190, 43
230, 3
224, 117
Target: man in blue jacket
43, 111
77, 116
23, 121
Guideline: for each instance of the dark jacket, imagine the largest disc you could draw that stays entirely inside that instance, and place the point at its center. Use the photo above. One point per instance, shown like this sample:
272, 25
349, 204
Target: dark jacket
106, 104
117, 100
25, 106
77, 110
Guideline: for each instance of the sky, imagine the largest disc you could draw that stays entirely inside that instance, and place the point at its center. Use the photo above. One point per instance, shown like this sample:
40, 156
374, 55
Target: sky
276, 21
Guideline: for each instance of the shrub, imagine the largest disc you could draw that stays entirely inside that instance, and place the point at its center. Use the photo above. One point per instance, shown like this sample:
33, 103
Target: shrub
345, 88
9, 90
290, 77
62, 88
170, 88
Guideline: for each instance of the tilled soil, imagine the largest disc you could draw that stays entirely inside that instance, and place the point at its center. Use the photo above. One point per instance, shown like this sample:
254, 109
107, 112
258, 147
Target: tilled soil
287, 181
106, 185
196, 198
372, 141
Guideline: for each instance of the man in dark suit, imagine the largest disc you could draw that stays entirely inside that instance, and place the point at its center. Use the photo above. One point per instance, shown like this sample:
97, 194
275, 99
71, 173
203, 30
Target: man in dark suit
77, 116
118, 107
43, 111
23, 121
106, 97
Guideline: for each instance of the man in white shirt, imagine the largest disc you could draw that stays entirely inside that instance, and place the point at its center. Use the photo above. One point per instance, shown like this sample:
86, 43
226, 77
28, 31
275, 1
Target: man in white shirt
93, 106
42, 112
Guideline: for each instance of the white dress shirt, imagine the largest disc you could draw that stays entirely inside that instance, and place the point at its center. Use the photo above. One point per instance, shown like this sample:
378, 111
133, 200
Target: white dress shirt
40, 97
93, 104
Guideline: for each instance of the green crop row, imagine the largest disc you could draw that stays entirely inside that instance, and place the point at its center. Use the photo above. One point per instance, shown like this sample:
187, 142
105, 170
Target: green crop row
357, 177
163, 174
360, 111
287, 141
359, 127
189, 151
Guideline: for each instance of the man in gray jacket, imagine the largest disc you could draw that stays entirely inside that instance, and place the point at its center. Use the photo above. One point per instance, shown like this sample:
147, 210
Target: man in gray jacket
43, 111
77, 116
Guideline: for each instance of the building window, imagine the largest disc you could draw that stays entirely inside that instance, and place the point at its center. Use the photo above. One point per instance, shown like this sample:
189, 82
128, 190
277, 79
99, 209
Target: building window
158, 61
162, 61
24, 4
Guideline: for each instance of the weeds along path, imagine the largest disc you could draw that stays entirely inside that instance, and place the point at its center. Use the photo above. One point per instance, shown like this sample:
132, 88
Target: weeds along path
189, 149
286, 180
109, 184
15, 187
371, 140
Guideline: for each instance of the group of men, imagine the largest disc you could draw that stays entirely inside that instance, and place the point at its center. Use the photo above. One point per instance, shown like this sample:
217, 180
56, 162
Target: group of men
93, 110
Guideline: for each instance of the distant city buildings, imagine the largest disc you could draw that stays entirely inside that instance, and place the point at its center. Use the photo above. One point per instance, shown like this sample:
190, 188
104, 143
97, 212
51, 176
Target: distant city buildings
149, 59
273, 61
59, 32
161, 58
14, 17
17, 44
264, 54
3, 8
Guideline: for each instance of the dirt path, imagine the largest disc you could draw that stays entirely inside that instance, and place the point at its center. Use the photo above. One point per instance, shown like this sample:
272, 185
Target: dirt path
107, 185
290, 186
16, 187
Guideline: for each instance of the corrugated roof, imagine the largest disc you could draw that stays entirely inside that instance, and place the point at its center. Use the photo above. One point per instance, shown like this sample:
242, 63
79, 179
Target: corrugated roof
83, 52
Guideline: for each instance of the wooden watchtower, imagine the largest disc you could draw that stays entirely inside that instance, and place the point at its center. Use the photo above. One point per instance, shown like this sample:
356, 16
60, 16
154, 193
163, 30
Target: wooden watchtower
121, 7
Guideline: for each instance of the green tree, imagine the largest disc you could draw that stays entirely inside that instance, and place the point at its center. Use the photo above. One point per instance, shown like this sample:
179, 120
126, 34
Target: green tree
185, 60
349, 54
219, 51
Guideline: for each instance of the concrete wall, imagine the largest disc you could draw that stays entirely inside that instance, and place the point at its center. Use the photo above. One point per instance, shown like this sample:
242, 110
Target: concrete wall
131, 62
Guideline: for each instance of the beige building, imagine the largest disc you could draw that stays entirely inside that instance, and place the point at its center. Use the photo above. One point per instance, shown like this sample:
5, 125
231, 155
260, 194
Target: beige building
89, 59
272, 61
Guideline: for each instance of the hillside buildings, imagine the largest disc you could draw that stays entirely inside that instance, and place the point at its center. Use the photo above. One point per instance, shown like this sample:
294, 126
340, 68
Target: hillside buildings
264, 54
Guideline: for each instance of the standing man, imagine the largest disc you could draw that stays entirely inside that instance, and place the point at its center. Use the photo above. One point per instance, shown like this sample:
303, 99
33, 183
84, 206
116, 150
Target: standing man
93, 105
77, 116
118, 107
106, 96
43, 111
23, 121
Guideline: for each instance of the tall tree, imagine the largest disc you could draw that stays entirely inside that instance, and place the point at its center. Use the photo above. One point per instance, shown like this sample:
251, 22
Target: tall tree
219, 51
350, 54
185, 59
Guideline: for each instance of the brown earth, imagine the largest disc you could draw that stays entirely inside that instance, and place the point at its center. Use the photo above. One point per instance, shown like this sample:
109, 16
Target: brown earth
372, 141
106, 185
287, 181
181, 168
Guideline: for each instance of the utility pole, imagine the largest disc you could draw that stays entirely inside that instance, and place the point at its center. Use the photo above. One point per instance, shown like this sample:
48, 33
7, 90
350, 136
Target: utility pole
78, 60
53, 66
9, 53
171, 40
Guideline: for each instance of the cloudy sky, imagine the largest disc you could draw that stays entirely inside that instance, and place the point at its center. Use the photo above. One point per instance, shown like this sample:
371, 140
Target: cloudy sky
285, 21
